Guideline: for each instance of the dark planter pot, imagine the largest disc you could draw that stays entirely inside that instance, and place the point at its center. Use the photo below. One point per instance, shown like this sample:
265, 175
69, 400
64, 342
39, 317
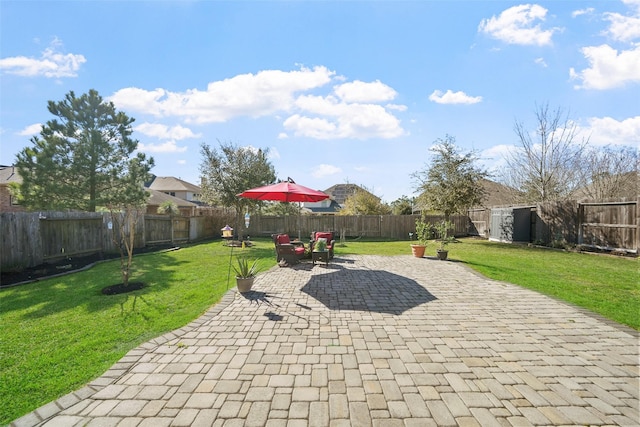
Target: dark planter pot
418, 250
442, 254
244, 283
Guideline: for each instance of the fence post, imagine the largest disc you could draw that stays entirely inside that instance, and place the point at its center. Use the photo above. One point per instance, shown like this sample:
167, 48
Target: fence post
638, 225
580, 221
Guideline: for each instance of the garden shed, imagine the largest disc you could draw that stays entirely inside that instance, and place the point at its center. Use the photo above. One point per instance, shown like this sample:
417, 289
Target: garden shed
511, 224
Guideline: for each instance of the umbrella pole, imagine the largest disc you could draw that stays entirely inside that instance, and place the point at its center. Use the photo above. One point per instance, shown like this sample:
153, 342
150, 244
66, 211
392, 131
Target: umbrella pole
230, 259
298, 221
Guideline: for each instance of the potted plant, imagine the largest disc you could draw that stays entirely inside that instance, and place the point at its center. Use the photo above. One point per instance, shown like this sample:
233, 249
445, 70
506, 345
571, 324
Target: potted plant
443, 229
245, 273
423, 233
321, 245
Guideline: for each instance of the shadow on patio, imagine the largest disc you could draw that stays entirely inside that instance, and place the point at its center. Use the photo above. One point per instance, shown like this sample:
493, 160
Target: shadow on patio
367, 290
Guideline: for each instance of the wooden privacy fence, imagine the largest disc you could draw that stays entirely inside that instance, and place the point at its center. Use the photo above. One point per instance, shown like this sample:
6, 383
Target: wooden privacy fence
377, 226
29, 239
609, 225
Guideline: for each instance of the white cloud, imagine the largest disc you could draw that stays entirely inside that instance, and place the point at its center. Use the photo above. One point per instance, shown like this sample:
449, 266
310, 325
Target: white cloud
396, 107
493, 159
31, 130
253, 95
517, 25
165, 147
451, 97
181, 162
52, 63
624, 28
273, 153
341, 120
358, 91
348, 110
161, 131
311, 127
324, 170
608, 131
586, 11
607, 68
541, 62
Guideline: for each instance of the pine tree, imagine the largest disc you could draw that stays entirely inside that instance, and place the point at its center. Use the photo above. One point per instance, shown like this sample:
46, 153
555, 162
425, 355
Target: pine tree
82, 159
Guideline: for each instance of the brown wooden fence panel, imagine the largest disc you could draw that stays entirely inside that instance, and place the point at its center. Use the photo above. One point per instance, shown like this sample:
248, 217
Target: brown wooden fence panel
180, 229
157, 229
71, 236
318, 223
609, 225
479, 220
20, 246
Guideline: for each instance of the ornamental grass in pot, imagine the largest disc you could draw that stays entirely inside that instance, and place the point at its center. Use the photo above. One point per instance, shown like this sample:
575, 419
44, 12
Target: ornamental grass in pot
245, 273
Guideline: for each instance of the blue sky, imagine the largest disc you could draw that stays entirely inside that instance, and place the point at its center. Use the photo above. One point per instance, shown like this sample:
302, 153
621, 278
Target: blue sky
340, 92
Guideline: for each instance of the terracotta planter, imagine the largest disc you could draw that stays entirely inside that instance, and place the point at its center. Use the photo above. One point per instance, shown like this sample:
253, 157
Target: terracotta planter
418, 250
244, 283
442, 254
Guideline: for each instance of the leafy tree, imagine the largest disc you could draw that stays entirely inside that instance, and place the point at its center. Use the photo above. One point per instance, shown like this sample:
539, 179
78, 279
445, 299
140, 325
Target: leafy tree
230, 170
402, 206
363, 202
451, 182
280, 209
548, 162
168, 207
82, 159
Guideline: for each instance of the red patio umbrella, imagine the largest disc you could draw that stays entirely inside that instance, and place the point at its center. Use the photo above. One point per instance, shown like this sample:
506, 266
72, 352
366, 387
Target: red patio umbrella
287, 191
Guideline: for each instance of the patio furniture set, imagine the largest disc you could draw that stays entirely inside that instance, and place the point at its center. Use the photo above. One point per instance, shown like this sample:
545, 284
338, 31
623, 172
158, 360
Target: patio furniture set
289, 251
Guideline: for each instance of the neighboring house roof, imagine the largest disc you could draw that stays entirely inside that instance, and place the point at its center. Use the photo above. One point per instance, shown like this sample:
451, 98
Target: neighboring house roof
341, 192
158, 198
497, 194
333, 208
170, 183
9, 174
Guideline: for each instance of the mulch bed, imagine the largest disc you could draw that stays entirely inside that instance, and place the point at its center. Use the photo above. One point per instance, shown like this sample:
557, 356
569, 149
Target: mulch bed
66, 265
120, 288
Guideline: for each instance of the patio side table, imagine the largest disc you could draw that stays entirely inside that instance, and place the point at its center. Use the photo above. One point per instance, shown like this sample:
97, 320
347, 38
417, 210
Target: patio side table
320, 256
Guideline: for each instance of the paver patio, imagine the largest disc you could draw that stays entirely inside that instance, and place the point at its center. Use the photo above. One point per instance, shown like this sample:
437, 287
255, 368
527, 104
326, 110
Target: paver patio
371, 341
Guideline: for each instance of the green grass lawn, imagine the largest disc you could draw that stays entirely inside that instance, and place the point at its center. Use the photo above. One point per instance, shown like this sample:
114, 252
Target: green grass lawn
59, 334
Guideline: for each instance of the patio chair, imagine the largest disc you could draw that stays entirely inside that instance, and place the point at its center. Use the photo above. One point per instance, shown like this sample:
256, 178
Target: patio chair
290, 251
329, 235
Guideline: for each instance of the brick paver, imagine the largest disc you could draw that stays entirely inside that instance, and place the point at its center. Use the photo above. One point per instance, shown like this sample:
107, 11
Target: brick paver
371, 341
